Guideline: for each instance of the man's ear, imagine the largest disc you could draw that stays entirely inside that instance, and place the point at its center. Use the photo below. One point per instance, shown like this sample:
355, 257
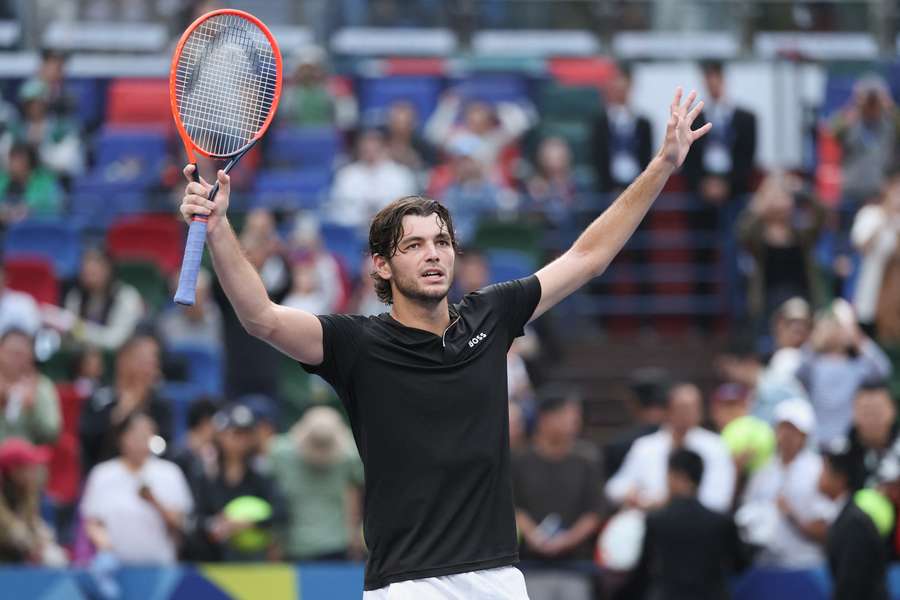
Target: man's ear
382, 266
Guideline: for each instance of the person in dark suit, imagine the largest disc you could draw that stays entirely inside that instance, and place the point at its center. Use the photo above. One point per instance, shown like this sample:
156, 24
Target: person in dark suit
857, 557
689, 550
719, 171
621, 138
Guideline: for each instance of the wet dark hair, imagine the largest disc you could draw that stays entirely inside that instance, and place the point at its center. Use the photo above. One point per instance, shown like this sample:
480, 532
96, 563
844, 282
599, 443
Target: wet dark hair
688, 463
386, 232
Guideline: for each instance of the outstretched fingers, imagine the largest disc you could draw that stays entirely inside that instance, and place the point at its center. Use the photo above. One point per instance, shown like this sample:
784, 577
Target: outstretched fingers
699, 133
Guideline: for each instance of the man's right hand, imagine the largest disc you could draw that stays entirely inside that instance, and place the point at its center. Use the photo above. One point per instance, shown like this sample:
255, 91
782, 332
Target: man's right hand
196, 198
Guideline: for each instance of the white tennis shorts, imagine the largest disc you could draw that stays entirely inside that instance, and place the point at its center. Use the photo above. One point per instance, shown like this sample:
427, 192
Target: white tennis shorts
502, 583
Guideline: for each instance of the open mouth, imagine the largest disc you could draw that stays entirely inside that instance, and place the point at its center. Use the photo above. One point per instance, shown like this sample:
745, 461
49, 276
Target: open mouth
433, 275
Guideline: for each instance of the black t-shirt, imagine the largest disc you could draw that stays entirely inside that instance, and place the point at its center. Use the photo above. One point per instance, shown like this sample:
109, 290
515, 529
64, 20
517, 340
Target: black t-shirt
568, 487
430, 417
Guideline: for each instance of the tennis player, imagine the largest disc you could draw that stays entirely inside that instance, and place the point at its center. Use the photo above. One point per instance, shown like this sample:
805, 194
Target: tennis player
424, 385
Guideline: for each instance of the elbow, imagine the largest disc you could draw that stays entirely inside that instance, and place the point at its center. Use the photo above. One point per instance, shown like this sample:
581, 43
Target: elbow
260, 325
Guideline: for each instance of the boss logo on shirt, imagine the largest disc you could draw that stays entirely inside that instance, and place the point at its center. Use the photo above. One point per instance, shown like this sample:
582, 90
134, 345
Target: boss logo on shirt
474, 341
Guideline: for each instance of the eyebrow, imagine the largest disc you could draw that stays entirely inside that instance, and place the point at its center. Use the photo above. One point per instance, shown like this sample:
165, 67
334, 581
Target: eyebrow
418, 238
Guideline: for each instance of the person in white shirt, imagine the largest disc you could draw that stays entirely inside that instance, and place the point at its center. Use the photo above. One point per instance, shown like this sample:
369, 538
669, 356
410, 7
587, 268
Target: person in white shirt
875, 234
782, 504
366, 186
641, 481
18, 310
134, 506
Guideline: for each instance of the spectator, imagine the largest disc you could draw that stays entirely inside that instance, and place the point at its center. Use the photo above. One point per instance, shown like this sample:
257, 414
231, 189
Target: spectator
198, 324
867, 131
874, 436
135, 505
622, 139
875, 234
24, 536
556, 485
57, 139
234, 477
779, 230
404, 143
494, 128
87, 371
105, 310
471, 272
787, 488
720, 168
27, 189
18, 310
310, 100
641, 482
51, 74
518, 435
551, 190
689, 550
839, 359
134, 389
857, 558
251, 365
647, 403
28, 399
307, 290
320, 476
266, 419
306, 242
196, 455
364, 300
363, 187
729, 401
472, 194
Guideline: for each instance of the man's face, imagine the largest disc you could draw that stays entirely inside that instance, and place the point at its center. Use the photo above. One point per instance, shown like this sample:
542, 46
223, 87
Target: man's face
715, 83
789, 439
873, 413
685, 410
422, 267
371, 147
17, 355
792, 333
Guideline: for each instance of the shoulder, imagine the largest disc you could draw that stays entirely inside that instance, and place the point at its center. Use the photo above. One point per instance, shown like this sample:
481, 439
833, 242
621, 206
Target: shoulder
102, 398
504, 291
106, 470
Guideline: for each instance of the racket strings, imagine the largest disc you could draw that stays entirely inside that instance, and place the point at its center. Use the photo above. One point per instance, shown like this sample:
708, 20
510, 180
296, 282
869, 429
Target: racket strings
226, 80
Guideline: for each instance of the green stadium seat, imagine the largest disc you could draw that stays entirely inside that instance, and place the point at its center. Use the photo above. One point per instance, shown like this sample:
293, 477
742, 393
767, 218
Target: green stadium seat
576, 133
524, 237
148, 279
562, 101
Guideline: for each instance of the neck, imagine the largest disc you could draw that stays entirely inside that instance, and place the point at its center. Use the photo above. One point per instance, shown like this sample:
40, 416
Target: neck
879, 439
133, 464
788, 457
552, 447
195, 441
430, 317
678, 436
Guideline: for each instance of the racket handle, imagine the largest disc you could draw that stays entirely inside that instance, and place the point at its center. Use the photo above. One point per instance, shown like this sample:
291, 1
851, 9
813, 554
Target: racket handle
190, 264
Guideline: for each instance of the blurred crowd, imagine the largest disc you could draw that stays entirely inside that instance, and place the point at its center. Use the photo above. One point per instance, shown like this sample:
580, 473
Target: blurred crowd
251, 471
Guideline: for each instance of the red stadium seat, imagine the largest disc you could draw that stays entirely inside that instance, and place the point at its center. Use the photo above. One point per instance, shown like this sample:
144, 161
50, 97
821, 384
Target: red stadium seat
156, 238
33, 276
70, 403
583, 71
139, 102
64, 470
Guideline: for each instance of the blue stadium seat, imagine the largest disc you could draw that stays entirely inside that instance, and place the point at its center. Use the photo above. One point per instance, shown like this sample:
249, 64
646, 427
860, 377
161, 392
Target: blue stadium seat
494, 88
777, 584
505, 265
377, 93
57, 241
303, 189
89, 97
129, 157
305, 148
204, 366
93, 206
345, 243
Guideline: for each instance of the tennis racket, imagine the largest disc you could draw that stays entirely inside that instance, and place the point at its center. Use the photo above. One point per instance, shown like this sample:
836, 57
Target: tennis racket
224, 86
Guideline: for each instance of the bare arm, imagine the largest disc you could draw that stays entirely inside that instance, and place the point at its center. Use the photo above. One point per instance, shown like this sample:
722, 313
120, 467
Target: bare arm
604, 238
295, 332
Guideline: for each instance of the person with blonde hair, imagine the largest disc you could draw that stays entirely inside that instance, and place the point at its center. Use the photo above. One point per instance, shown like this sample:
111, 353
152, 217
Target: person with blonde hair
320, 474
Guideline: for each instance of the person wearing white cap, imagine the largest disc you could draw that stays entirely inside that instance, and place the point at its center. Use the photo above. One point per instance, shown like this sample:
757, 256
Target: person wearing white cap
782, 507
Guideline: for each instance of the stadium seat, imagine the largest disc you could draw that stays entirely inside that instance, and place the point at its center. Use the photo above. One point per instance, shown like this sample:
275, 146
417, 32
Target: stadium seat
376, 94
34, 276
291, 190
129, 155
582, 71
157, 238
147, 278
204, 366
304, 148
524, 237
139, 102
779, 584
576, 133
57, 241
562, 101
89, 97
494, 88
505, 265
64, 469
95, 206
345, 243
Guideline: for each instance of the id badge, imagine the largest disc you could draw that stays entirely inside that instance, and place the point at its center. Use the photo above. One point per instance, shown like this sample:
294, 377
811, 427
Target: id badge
624, 168
717, 159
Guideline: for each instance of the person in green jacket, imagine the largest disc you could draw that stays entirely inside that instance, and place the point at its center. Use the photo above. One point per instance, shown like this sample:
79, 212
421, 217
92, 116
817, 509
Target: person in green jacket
29, 404
26, 188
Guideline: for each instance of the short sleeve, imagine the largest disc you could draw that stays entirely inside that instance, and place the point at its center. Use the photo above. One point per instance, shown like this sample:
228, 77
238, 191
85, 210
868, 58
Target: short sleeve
341, 341
177, 493
91, 507
515, 302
